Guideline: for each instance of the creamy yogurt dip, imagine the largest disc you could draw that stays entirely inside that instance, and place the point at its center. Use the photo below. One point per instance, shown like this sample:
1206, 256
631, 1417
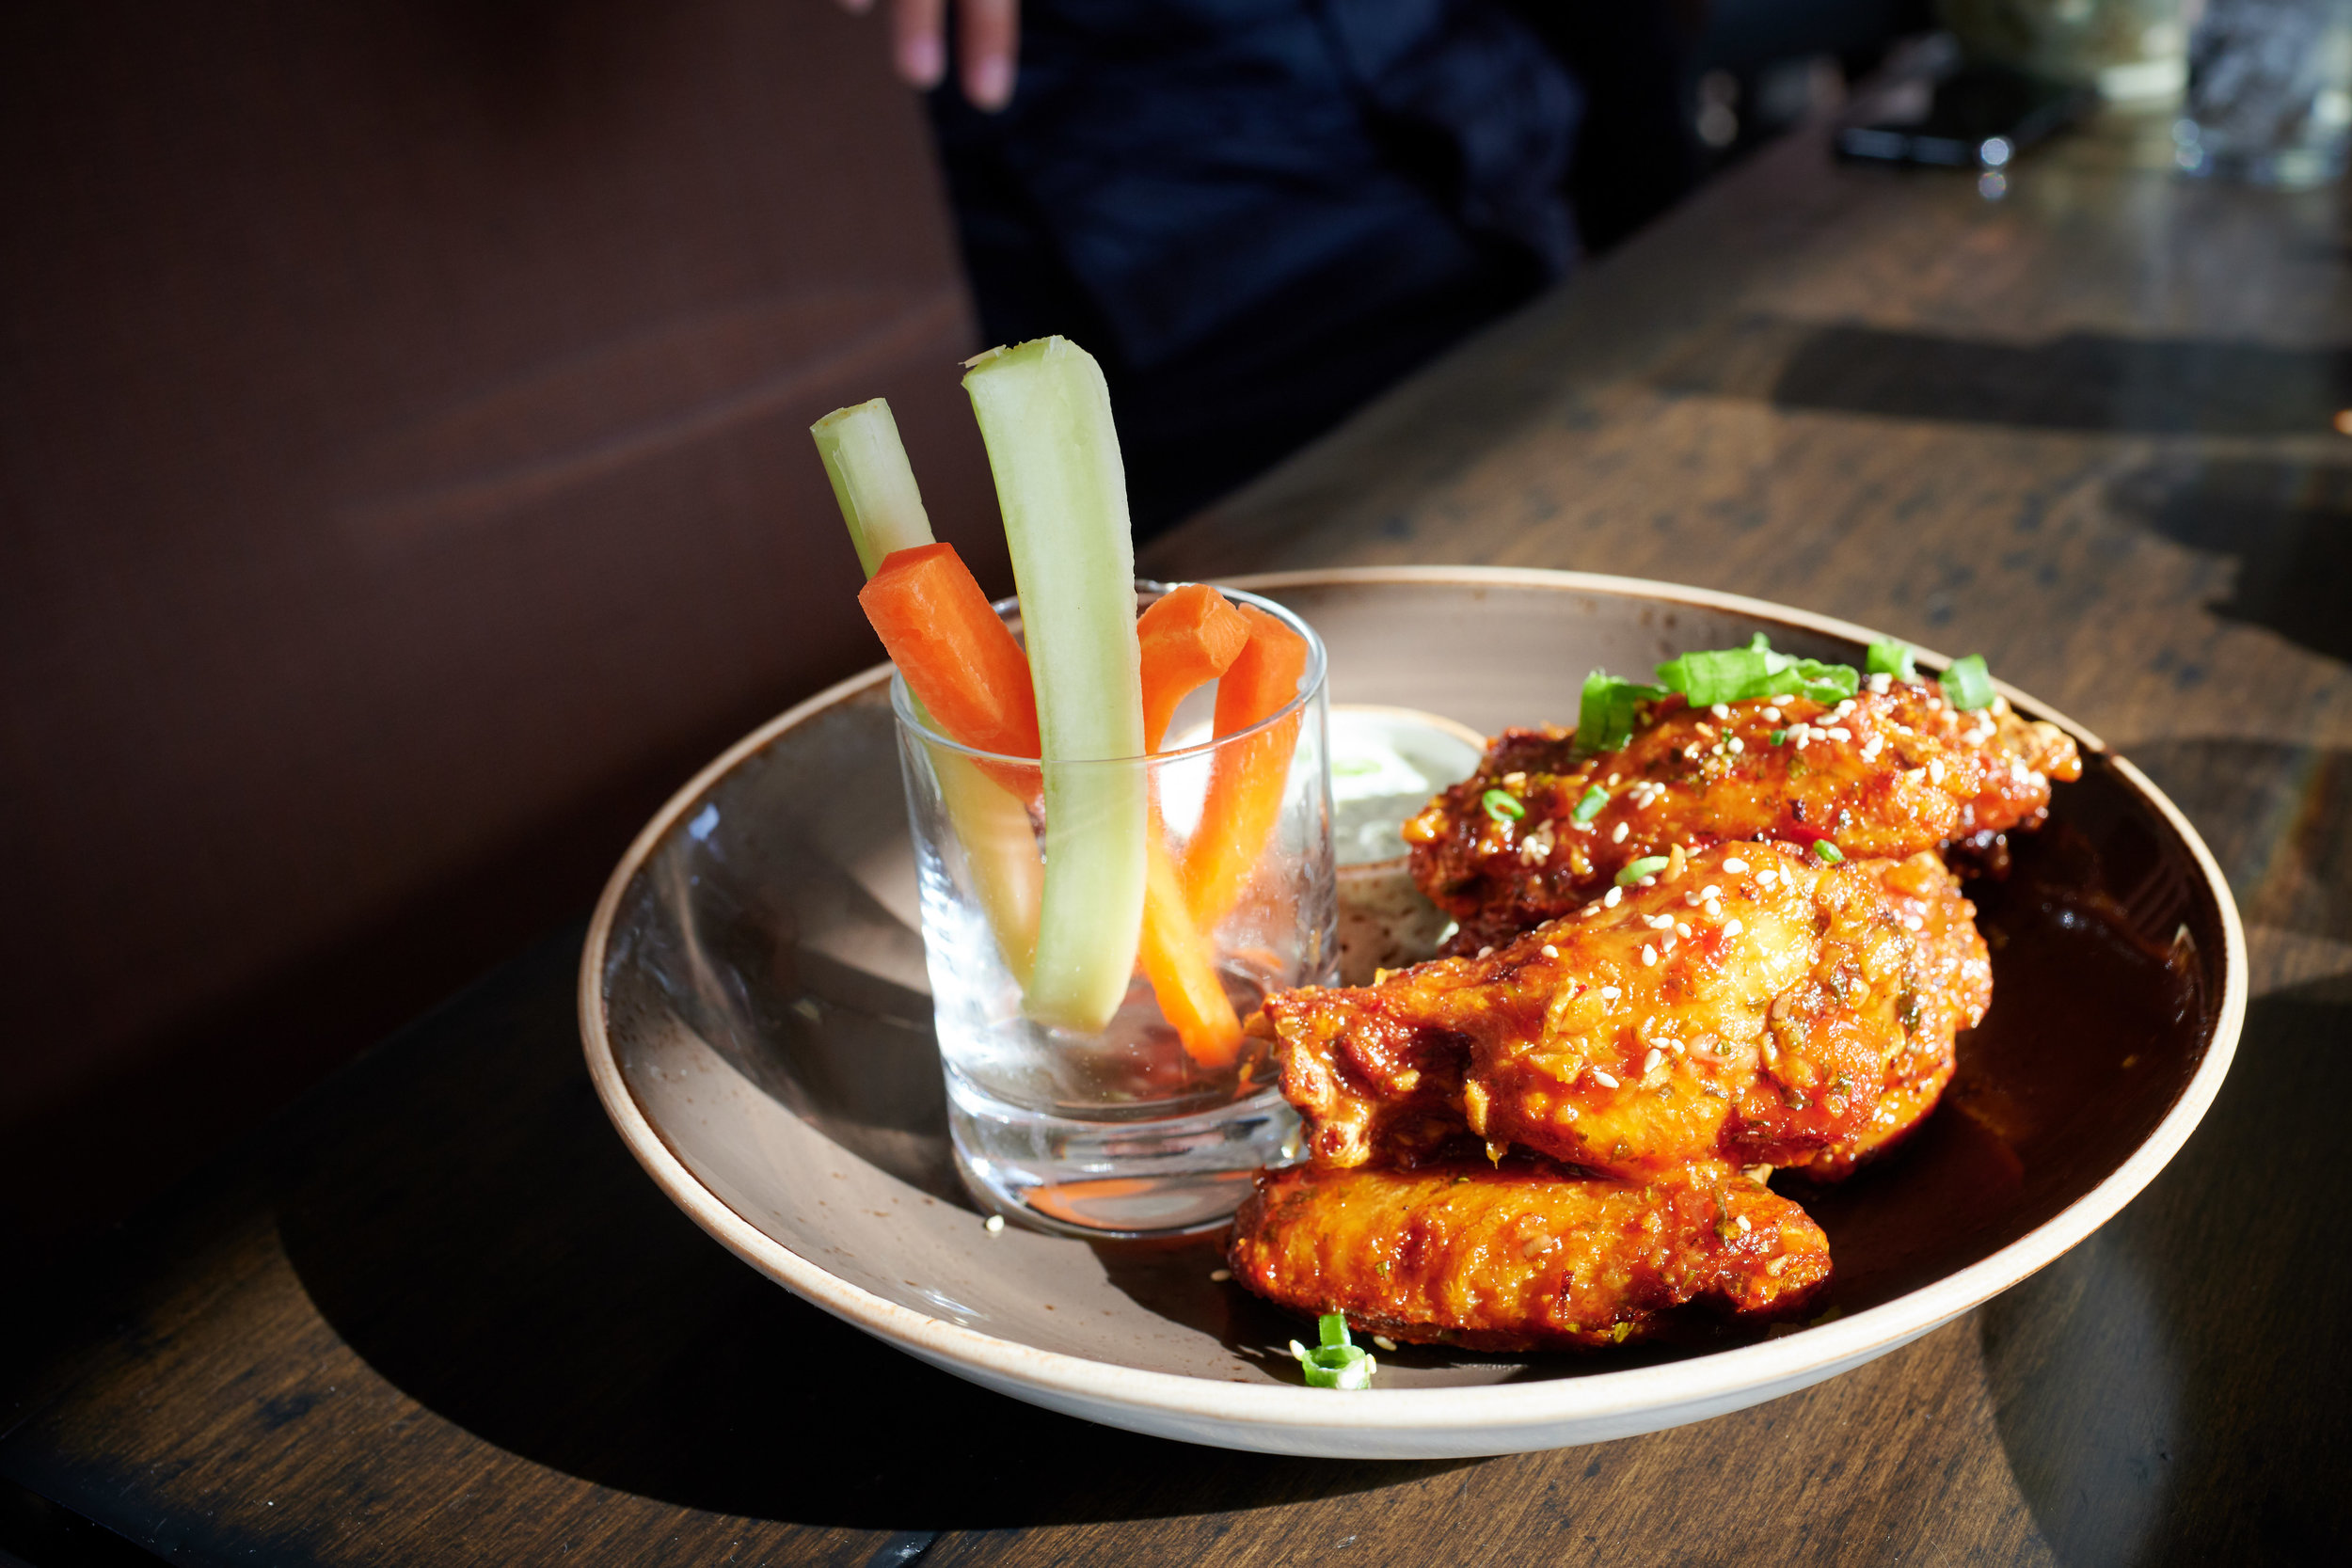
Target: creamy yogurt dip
1386, 764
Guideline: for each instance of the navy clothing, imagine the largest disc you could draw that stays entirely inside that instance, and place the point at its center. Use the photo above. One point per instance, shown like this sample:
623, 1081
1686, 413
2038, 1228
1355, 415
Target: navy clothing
1258, 213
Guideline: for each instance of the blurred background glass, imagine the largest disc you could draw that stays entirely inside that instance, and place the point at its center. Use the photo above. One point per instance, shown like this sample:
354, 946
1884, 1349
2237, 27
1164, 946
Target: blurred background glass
2268, 90
2132, 50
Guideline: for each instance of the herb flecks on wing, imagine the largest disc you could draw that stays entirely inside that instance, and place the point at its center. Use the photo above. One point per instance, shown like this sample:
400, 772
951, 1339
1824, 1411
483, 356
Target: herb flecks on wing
1889, 767
1524, 1255
1705, 934
1756, 1008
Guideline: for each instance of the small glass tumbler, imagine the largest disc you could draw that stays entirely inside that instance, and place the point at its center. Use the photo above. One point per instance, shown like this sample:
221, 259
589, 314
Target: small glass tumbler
1128, 1129
2269, 92
2132, 50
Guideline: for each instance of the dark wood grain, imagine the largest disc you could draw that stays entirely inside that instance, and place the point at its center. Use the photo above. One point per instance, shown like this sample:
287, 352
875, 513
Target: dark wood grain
438, 1316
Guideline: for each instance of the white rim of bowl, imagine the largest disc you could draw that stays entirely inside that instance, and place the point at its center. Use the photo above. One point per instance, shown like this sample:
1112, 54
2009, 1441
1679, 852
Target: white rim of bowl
1275, 1407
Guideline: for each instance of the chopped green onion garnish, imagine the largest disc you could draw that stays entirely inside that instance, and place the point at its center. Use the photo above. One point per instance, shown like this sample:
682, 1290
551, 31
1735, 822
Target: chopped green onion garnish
1604, 720
1706, 678
1336, 1363
1592, 713
1724, 674
1890, 657
1353, 1374
1826, 852
1968, 684
1648, 865
1733, 674
1590, 806
1502, 805
1778, 738
1823, 683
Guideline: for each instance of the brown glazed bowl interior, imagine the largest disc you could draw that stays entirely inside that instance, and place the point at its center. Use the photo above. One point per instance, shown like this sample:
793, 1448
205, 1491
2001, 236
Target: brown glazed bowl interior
757, 1018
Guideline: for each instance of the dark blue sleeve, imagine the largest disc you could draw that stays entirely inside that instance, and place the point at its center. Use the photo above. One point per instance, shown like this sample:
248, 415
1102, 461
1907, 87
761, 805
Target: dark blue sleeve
1257, 212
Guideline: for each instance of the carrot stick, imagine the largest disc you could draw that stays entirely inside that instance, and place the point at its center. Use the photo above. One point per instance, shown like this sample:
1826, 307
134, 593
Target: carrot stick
1244, 793
1190, 636
884, 509
958, 658
1179, 962
970, 680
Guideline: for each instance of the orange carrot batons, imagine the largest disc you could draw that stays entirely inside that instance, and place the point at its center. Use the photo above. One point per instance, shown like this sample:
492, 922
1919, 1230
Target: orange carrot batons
1190, 637
1180, 965
956, 655
1244, 793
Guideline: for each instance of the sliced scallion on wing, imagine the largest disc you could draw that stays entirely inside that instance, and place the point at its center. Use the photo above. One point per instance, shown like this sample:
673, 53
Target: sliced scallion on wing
1733, 674
1605, 717
1890, 657
1968, 684
1703, 677
1338, 1362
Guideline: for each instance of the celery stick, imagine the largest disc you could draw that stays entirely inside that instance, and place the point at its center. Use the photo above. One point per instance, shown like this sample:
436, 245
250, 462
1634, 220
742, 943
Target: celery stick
872, 481
1045, 414
875, 486
1000, 845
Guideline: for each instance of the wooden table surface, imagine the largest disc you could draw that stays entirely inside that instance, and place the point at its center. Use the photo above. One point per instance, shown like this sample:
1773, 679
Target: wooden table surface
439, 1316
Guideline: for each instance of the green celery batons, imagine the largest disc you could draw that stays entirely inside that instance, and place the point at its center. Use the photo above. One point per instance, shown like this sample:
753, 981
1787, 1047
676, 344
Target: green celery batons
875, 486
1045, 414
872, 481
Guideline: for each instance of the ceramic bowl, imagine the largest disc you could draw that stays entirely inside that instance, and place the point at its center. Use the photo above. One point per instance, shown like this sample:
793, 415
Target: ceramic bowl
755, 1009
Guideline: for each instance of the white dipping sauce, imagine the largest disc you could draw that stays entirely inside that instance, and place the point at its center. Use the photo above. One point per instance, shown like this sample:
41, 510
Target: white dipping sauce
1386, 765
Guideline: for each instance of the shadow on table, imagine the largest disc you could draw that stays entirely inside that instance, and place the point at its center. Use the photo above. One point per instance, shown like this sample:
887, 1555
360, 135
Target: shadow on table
2090, 381
2287, 523
459, 1209
2179, 1388
2287, 519
2277, 817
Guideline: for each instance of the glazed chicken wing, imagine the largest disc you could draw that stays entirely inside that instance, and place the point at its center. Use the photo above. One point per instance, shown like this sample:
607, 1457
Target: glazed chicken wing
1752, 1004
1899, 1111
1523, 1256
1889, 772
1954, 986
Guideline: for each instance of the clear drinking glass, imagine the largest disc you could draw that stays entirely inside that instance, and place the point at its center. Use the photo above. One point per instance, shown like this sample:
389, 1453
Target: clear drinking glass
1118, 1131
2131, 50
2270, 91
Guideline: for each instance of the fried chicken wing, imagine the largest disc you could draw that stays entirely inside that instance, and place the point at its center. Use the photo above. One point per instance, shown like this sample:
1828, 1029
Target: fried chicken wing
1523, 1256
1889, 772
1754, 1004
1952, 989
1898, 1113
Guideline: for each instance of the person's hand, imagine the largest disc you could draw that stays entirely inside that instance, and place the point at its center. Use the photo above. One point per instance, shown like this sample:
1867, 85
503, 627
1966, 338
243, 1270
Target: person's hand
988, 36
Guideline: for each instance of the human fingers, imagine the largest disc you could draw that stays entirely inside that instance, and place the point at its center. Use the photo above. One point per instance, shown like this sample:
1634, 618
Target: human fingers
915, 43
989, 42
